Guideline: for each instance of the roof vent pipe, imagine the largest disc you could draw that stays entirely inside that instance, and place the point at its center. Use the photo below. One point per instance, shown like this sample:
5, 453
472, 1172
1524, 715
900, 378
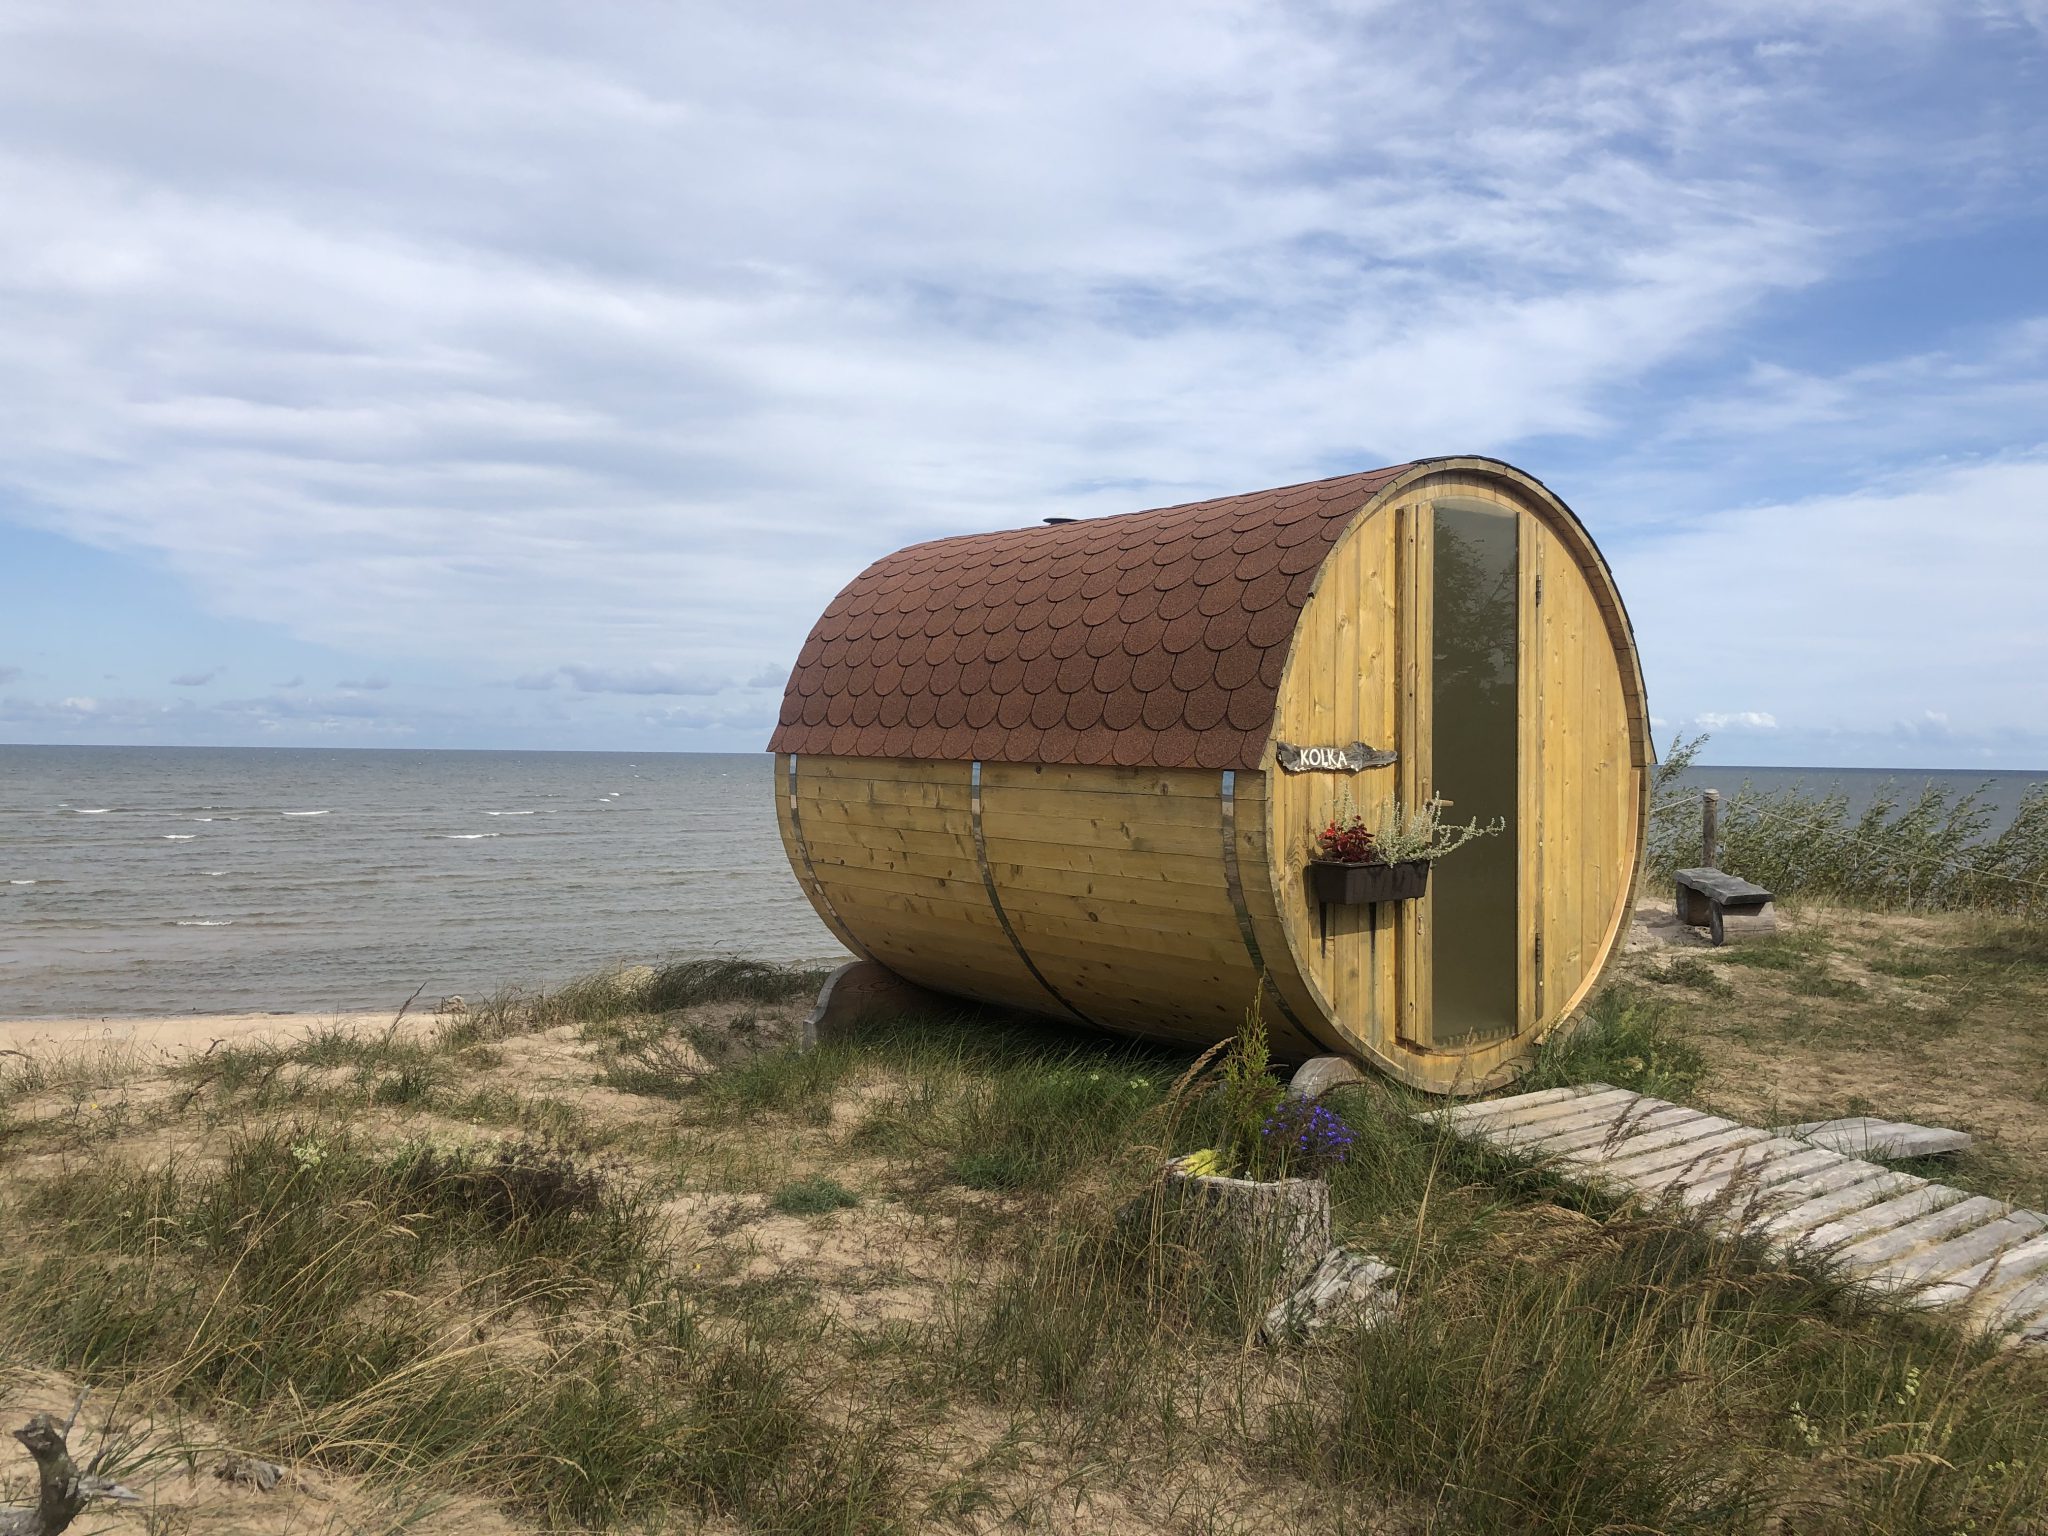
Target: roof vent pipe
1054, 522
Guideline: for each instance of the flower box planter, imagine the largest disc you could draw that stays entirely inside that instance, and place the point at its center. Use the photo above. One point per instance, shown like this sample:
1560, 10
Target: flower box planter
1356, 885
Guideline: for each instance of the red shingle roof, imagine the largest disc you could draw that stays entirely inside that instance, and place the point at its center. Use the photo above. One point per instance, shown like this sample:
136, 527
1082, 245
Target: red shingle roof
1152, 639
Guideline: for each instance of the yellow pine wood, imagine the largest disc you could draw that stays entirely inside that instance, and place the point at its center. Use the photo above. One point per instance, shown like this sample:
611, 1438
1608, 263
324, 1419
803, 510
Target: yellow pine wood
1163, 783
930, 918
1112, 878
1173, 867
1583, 753
1530, 981
1136, 820
839, 835
1067, 866
1157, 928
882, 770
883, 795
812, 891
941, 946
1125, 899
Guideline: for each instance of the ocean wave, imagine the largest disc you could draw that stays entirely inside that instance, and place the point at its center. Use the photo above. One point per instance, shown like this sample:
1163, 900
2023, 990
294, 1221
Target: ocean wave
465, 837
179, 837
299, 813
21, 882
511, 813
202, 818
206, 922
216, 871
97, 811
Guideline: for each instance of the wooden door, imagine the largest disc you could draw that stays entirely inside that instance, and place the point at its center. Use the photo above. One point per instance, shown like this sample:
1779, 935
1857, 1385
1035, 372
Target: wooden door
1466, 680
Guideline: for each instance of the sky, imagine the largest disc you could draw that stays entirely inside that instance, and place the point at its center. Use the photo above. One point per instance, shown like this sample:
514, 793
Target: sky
526, 375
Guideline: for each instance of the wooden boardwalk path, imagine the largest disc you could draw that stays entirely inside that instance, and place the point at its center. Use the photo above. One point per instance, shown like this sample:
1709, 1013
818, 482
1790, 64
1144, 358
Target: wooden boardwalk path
1888, 1231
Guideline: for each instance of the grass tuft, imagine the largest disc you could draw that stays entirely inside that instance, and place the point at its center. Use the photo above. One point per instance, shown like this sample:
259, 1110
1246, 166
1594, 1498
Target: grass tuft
814, 1196
1624, 1038
688, 983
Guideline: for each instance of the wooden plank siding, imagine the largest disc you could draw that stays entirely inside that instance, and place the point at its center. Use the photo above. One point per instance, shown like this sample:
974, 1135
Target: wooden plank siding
1111, 879
1103, 893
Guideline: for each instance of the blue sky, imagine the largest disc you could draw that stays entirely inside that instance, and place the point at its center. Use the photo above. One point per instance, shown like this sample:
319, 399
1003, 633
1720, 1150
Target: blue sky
521, 375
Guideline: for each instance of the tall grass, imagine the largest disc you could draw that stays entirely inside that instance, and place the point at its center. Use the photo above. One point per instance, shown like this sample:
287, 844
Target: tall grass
1557, 1365
1010, 1107
517, 1321
1904, 851
627, 991
505, 1320
1632, 1375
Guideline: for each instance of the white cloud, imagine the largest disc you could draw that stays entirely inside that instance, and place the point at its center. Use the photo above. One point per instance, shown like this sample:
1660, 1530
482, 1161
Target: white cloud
1926, 592
1744, 720
195, 679
631, 336
638, 680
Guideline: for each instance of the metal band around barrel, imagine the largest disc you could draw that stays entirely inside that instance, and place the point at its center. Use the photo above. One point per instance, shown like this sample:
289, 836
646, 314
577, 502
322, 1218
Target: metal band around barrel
796, 830
1235, 882
988, 883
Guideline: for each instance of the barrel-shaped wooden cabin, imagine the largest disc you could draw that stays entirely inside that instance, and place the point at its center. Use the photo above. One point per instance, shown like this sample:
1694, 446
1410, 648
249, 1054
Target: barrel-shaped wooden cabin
1075, 769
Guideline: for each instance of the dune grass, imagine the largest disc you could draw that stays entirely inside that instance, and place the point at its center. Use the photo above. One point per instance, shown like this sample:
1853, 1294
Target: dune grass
508, 1320
1923, 850
520, 1317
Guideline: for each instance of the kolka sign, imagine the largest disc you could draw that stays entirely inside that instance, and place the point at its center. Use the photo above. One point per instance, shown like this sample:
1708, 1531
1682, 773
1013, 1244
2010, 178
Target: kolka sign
1352, 759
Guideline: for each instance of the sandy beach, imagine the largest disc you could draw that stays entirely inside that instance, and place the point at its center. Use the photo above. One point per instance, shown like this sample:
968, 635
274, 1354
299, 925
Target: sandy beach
185, 1033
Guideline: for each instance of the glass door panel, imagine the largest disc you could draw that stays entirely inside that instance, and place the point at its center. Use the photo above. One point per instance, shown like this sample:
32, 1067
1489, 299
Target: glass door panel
1475, 728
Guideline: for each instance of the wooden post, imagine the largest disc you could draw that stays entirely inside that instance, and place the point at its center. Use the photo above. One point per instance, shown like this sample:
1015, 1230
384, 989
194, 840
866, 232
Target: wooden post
1710, 813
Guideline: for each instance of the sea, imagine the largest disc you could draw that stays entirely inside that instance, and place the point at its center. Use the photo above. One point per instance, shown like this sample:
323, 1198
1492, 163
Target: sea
152, 881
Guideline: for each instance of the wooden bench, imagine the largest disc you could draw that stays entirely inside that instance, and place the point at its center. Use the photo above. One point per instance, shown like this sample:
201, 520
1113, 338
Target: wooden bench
1710, 899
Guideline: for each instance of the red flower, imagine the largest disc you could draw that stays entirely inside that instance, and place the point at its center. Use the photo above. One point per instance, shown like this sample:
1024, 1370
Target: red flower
1347, 841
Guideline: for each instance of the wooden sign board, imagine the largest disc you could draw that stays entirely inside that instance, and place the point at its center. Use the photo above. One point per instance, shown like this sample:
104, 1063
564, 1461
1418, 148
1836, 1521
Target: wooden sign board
1355, 758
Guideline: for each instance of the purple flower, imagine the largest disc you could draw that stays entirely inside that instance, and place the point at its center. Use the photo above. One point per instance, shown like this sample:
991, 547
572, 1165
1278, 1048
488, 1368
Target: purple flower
1302, 1138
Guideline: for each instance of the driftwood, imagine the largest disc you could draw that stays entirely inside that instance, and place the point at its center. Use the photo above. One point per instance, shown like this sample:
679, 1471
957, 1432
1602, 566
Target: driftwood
63, 1490
249, 1472
1347, 1289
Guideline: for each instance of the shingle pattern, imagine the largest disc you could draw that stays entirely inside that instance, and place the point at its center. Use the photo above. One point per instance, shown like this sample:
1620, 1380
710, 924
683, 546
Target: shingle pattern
1152, 639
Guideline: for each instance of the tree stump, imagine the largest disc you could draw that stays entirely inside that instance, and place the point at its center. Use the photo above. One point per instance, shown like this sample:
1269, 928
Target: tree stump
1272, 1233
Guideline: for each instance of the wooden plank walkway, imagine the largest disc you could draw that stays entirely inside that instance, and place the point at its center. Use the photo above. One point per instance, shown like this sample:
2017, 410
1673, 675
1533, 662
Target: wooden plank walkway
1930, 1244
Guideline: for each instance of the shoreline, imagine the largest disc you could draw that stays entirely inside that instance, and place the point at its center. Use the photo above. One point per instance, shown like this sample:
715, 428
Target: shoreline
178, 1033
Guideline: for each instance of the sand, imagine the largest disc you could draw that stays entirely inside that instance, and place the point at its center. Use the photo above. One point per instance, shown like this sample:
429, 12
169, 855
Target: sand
184, 1033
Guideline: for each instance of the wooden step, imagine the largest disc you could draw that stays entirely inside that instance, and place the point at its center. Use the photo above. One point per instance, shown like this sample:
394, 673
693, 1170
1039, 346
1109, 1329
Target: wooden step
1882, 1230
